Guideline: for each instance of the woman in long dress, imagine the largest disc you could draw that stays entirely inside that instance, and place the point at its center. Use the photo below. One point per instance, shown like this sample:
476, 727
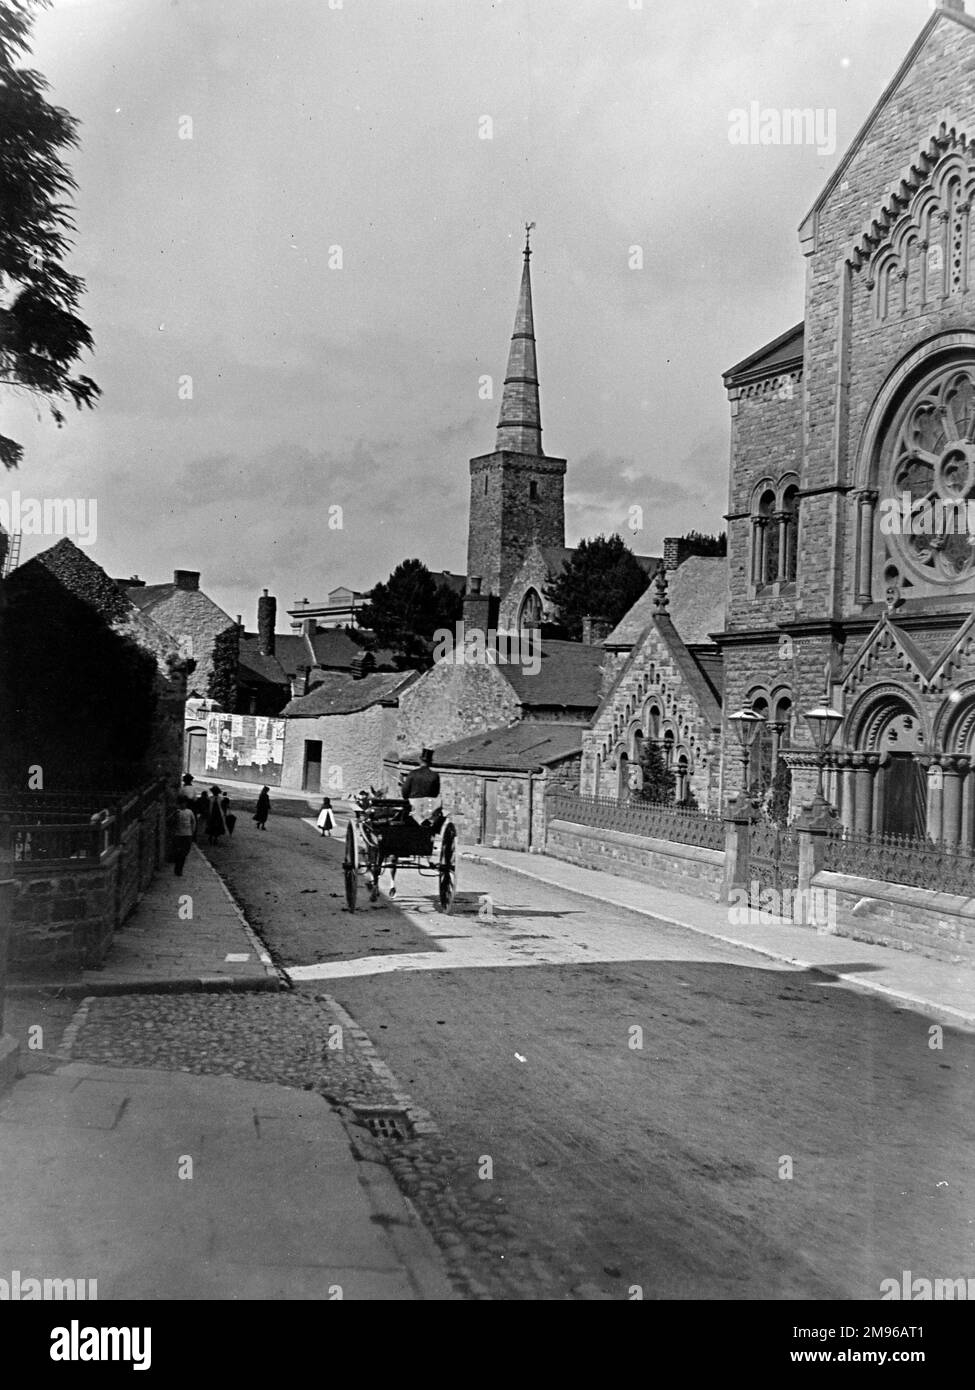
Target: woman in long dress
216, 823
326, 818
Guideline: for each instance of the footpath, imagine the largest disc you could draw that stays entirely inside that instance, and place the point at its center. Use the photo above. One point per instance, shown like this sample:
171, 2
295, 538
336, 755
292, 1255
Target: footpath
161, 1184
937, 989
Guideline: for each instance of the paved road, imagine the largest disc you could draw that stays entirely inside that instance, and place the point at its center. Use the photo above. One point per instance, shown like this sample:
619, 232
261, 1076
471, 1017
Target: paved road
656, 1159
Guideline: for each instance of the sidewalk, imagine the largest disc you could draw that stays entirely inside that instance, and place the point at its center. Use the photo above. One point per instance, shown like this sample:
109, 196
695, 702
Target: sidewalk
931, 987
162, 1185
160, 948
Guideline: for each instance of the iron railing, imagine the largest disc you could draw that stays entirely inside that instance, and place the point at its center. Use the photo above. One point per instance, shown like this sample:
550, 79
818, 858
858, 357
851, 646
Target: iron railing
63, 826
678, 824
898, 859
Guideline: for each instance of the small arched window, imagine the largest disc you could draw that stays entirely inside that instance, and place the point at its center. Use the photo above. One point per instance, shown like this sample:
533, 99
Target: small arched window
789, 543
530, 615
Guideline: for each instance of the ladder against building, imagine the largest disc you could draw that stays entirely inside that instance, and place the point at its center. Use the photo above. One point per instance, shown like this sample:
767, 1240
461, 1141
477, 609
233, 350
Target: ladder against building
9, 552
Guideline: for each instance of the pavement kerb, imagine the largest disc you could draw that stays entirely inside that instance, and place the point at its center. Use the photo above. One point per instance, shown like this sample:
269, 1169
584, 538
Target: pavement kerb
942, 1012
269, 967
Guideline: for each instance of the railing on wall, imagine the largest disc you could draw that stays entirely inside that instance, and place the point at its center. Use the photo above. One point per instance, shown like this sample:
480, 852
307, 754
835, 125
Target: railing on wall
897, 859
54, 827
674, 823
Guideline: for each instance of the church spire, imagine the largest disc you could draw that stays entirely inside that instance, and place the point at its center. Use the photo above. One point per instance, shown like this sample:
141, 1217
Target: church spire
520, 425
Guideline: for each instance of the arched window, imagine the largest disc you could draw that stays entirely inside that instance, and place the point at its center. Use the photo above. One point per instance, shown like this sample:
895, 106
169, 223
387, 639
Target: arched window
790, 534
530, 615
765, 541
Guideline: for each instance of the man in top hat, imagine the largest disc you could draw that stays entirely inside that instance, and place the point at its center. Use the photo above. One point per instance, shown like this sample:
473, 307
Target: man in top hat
421, 788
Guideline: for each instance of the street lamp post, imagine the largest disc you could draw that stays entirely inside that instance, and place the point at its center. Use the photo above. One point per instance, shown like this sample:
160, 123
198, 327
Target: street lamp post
746, 724
824, 723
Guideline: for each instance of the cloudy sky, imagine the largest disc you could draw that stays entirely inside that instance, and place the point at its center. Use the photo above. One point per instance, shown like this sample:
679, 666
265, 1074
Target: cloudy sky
358, 124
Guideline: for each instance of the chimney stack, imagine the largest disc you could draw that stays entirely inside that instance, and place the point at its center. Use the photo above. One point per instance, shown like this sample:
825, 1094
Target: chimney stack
595, 630
480, 609
186, 579
267, 616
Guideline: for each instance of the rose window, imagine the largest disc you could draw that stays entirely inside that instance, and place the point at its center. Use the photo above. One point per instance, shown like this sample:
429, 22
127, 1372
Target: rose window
928, 464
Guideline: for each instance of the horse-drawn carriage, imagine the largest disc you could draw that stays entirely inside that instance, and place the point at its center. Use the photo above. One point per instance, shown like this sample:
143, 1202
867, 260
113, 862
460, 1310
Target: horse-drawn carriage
382, 832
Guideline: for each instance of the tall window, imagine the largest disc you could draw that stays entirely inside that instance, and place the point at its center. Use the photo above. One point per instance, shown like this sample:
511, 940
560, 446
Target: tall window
531, 611
790, 534
775, 534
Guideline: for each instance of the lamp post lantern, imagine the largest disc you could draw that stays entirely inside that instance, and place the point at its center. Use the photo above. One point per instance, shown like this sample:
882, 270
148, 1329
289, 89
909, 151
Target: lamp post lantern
824, 722
747, 725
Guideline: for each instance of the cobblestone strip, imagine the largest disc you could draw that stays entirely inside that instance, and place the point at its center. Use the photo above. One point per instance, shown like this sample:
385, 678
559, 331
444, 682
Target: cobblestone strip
421, 1120
69, 1037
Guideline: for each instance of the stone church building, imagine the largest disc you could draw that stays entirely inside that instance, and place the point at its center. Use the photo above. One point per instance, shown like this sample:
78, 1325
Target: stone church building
851, 545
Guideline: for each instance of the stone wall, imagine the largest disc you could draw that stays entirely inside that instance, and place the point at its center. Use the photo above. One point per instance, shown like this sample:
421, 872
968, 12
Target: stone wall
65, 913
452, 702
651, 681
940, 925
505, 519
353, 749
660, 863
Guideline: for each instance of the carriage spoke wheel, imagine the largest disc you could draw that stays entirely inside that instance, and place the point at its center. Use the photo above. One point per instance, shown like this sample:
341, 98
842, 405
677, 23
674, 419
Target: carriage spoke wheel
350, 867
448, 869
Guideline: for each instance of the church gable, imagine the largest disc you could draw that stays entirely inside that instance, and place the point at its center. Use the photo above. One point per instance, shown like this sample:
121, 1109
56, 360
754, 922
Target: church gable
913, 106
887, 654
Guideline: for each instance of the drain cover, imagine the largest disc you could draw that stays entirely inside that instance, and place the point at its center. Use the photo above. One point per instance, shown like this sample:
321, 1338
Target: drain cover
384, 1123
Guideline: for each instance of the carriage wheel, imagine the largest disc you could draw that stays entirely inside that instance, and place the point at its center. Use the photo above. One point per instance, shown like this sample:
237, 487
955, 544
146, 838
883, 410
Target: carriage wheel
448, 868
350, 867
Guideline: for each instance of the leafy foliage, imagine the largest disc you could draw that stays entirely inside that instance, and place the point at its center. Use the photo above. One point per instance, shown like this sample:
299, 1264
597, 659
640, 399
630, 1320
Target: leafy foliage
775, 801
40, 334
76, 698
406, 611
716, 546
601, 579
222, 685
659, 782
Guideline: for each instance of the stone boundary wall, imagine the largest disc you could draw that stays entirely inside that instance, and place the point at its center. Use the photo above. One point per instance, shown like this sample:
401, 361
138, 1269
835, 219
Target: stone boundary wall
680, 868
65, 913
940, 925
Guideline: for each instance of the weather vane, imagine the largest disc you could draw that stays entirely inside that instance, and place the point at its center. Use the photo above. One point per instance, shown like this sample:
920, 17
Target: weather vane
529, 228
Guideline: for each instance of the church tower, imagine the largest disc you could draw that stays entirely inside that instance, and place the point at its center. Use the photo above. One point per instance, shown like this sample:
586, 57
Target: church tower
517, 493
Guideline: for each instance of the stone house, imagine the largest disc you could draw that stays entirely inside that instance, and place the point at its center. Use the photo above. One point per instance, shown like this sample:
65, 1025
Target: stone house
337, 736
851, 565
663, 683
94, 688
493, 785
193, 621
455, 700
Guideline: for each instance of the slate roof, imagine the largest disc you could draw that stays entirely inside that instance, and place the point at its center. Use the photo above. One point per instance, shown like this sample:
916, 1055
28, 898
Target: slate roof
786, 350
524, 747
570, 677
697, 600
341, 693
332, 649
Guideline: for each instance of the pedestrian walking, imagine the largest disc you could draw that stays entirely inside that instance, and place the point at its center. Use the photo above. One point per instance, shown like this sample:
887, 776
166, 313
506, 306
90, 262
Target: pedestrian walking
263, 808
216, 823
229, 819
185, 831
326, 818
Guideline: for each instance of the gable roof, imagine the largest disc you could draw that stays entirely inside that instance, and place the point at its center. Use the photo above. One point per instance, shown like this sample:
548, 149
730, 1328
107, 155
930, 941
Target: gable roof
523, 747
697, 600
786, 351
569, 677
808, 226
340, 693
